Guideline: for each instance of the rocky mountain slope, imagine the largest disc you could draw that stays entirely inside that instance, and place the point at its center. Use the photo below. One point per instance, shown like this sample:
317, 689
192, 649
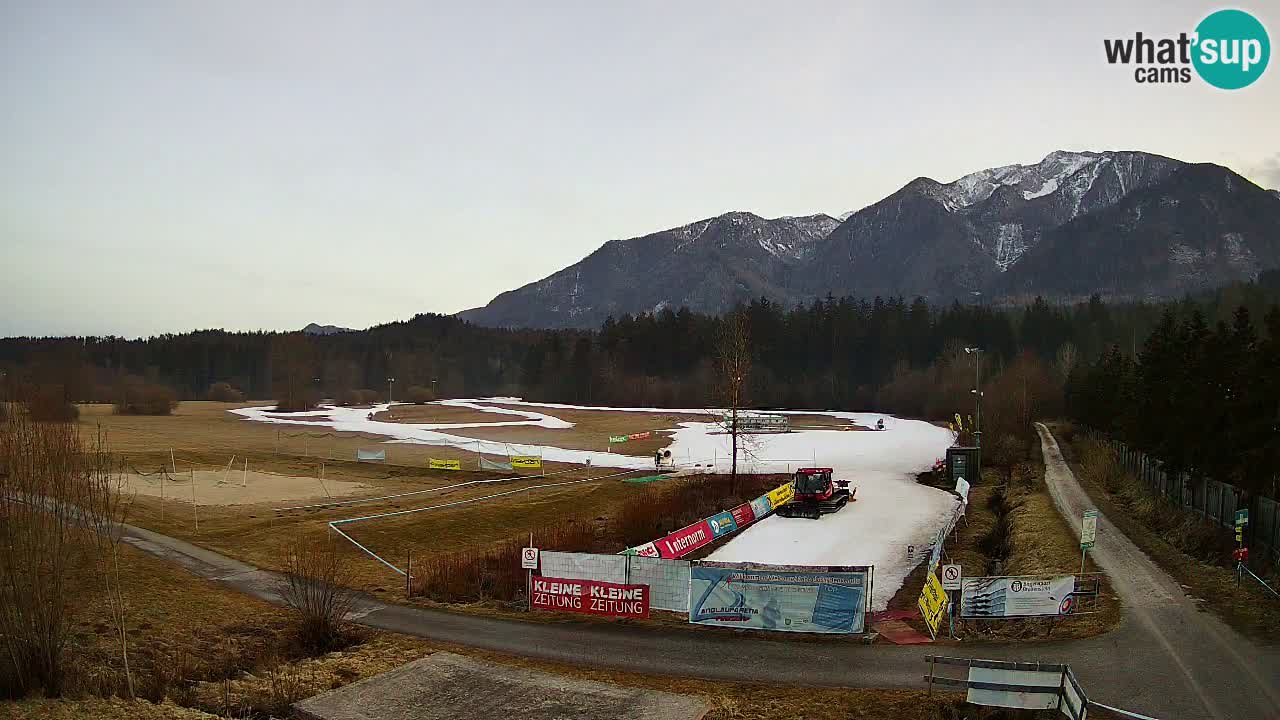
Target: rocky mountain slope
707, 265
1122, 224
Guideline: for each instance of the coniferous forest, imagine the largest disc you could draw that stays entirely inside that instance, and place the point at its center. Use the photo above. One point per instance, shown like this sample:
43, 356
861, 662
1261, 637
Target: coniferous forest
1196, 382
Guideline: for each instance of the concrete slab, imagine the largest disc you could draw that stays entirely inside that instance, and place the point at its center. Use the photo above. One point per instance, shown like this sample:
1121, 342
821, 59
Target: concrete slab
445, 685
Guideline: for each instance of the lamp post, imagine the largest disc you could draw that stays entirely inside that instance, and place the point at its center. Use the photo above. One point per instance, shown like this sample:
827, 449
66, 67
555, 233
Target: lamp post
977, 393
390, 380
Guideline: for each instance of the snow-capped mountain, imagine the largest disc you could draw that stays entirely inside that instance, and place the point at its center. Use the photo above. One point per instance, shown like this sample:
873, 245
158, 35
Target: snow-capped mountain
707, 265
1123, 224
955, 239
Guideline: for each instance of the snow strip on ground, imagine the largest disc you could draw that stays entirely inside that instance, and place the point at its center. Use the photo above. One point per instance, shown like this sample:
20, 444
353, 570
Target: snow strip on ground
892, 511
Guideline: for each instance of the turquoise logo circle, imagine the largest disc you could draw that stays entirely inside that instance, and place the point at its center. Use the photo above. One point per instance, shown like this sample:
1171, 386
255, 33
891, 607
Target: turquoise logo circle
1232, 49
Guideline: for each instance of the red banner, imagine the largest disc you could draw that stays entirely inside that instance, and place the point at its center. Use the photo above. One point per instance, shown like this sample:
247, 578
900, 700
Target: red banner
685, 540
590, 597
743, 515
640, 436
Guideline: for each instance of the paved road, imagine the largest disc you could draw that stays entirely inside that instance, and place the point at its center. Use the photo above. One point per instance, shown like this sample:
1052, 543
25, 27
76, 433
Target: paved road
1166, 659
1199, 666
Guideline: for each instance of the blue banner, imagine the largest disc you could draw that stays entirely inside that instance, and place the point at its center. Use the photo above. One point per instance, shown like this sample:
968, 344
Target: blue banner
761, 507
784, 598
722, 524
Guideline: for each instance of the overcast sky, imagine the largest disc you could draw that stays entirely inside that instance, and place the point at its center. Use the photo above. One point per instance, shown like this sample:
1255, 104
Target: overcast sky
175, 164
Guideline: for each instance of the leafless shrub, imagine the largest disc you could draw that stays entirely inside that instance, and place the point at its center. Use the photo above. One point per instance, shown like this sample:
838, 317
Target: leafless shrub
418, 394
316, 586
224, 392
55, 495
492, 573
143, 398
48, 403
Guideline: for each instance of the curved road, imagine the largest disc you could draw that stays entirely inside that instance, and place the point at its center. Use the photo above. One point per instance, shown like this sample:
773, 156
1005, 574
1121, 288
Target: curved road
1166, 659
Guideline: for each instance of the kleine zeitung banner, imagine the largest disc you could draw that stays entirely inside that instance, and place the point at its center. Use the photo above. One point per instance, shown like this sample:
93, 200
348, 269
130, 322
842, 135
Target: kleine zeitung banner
590, 597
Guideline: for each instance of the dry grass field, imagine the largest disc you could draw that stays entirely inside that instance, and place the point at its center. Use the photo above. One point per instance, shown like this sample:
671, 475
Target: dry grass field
220, 657
591, 430
432, 413
1039, 543
247, 520
207, 435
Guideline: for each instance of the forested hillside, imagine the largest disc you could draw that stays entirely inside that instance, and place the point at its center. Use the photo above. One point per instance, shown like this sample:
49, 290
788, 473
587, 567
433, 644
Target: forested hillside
1193, 381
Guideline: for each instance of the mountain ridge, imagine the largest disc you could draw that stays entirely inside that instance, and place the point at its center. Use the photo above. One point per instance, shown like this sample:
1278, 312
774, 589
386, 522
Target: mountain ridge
964, 239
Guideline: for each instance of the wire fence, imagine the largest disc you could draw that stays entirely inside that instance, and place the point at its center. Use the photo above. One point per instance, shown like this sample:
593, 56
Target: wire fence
1215, 502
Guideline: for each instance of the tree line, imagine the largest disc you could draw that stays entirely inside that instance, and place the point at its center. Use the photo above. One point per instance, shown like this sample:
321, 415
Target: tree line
1095, 360
1204, 398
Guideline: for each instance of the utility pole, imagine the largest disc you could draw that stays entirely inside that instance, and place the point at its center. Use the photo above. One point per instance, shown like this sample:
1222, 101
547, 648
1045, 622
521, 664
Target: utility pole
977, 393
390, 380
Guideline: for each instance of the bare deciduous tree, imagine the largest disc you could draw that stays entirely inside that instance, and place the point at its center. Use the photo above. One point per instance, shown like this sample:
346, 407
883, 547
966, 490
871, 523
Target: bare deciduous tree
733, 370
316, 586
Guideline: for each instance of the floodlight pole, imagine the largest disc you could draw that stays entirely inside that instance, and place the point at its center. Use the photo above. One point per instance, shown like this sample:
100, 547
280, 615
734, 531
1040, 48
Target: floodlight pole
977, 393
390, 380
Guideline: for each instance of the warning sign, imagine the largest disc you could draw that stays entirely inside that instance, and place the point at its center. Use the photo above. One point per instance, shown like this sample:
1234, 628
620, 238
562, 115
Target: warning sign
529, 558
951, 577
932, 603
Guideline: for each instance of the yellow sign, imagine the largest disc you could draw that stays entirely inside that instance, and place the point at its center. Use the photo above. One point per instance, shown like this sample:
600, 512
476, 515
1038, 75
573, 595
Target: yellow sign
526, 462
781, 495
932, 603
435, 464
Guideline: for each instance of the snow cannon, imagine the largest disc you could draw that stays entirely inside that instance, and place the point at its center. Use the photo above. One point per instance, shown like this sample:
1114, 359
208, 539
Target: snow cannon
816, 494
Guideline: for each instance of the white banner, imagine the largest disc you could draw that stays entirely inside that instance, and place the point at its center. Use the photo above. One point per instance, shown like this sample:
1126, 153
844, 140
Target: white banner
371, 455
490, 465
997, 597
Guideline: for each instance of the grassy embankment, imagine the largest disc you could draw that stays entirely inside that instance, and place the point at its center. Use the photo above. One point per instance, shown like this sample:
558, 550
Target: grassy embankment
1194, 553
1013, 528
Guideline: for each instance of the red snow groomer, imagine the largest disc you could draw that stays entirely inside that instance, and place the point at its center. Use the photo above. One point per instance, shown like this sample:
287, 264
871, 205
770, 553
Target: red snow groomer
816, 494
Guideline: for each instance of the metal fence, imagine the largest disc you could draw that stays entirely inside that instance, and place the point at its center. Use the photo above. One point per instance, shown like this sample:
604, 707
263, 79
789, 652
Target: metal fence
668, 580
1214, 501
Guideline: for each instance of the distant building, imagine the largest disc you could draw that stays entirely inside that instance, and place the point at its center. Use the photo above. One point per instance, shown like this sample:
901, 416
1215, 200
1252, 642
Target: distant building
758, 422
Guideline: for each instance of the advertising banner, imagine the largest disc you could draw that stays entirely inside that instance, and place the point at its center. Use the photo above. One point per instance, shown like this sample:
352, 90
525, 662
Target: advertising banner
722, 523
761, 507
932, 603
590, 597
640, 435
784, 598
371, 455
743, 515
779, 496
996, 597
646, 550
685, 540
617, 438
526, 462
435, 464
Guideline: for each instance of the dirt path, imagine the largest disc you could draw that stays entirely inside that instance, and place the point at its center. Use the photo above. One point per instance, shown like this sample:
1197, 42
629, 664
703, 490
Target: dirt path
1187, 654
